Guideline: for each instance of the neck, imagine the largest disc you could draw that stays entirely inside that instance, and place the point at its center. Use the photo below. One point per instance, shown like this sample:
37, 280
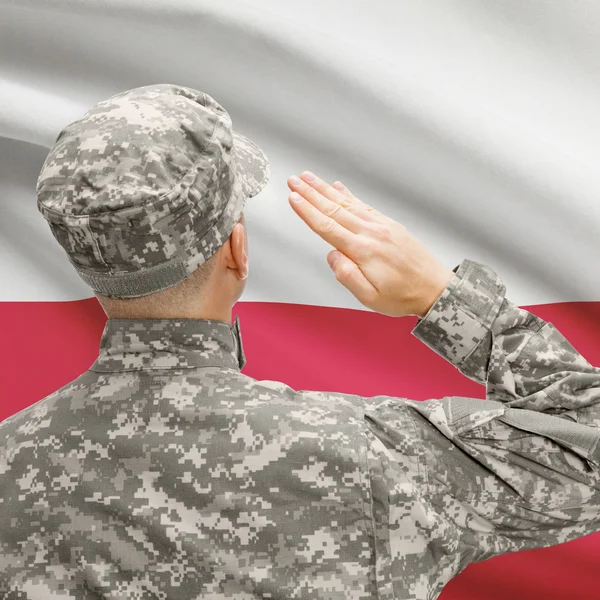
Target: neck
215, 313
224, 316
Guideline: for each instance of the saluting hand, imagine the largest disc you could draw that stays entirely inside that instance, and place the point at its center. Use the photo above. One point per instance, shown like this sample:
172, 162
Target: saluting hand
377, 259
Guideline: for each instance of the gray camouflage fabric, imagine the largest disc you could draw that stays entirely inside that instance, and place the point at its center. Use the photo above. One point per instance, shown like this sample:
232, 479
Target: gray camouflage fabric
164, 472
146, 186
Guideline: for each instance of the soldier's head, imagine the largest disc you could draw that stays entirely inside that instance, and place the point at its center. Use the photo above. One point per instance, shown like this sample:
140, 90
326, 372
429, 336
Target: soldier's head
146, 194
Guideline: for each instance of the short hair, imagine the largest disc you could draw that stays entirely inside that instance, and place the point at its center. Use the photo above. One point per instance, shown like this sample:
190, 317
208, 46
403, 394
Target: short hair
177, 297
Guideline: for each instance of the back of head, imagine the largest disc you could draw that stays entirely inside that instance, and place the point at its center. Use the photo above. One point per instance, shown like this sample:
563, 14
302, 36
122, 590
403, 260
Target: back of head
174, 300
145, 188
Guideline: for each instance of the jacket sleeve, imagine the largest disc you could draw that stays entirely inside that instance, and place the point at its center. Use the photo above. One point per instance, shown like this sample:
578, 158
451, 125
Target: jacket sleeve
518, 470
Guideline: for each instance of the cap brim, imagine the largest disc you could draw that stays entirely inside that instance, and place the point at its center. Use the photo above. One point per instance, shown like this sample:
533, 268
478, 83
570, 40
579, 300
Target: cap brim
253, 167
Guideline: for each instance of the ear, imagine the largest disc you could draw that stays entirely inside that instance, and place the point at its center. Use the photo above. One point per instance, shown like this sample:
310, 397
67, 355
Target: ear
238, 243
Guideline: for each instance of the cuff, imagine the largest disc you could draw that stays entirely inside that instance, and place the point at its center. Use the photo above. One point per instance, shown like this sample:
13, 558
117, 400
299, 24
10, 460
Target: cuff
463, 314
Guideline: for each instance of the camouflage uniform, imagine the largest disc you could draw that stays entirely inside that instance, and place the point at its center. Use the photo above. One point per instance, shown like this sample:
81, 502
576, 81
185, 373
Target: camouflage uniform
163, 472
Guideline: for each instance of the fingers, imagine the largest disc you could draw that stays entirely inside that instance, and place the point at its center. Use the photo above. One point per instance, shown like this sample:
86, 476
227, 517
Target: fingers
338, 209
368, 212
338, 217
340, 187
329, 229
343, 197
351, 277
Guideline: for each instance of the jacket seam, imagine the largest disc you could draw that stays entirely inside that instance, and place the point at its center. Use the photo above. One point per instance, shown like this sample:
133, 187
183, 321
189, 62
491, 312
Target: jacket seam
368, 507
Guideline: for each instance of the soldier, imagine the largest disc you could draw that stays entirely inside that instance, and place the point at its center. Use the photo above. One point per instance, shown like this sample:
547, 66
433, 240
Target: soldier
164, 472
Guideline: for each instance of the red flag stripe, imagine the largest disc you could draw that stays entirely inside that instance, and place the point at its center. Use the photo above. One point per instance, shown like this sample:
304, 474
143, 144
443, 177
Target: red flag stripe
47, 344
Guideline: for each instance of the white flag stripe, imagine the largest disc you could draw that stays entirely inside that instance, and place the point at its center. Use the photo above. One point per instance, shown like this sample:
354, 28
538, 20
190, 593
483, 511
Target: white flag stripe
464, 122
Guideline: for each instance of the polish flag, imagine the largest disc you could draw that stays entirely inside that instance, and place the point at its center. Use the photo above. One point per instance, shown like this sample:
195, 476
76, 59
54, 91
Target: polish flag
473, 124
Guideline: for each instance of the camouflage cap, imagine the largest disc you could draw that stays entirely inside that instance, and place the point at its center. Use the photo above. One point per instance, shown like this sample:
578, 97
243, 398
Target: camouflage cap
146, 186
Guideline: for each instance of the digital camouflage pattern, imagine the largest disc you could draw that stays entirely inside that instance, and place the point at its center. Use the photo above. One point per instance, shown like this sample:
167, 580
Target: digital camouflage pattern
146, 186
164, 472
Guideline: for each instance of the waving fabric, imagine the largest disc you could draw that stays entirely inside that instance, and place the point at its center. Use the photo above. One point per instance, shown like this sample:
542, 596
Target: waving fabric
474, 124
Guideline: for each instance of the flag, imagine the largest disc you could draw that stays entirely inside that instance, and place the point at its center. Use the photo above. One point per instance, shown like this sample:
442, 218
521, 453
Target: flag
473, 124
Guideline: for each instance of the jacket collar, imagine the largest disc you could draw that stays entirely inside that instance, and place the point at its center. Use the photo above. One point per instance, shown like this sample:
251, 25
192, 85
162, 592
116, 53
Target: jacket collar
140, 344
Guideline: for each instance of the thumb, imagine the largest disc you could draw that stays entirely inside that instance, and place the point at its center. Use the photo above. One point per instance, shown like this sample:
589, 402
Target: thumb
351, 277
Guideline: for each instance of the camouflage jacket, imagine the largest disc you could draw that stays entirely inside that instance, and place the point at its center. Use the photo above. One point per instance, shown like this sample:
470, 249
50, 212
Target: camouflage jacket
163, 472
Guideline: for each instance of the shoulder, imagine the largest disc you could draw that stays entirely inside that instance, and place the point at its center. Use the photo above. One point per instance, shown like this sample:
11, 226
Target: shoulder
41, 413
277, 393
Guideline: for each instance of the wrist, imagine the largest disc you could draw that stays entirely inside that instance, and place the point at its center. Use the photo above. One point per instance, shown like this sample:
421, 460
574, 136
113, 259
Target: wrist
434, 291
